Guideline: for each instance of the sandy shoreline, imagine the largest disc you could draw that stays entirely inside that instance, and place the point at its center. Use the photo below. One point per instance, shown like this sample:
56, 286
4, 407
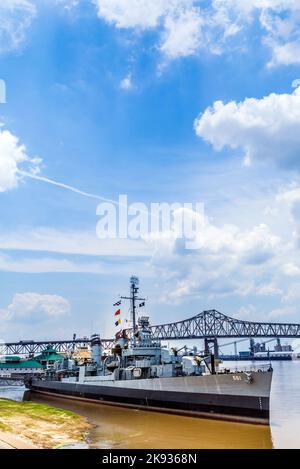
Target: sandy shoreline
11, 441
29, 425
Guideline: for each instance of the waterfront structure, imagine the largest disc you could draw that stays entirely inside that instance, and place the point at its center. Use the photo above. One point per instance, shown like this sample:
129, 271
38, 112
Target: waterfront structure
11, 366
49, 357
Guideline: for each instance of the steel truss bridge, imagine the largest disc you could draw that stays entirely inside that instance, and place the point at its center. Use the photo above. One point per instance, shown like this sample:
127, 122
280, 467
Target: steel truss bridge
31, 348
208, 325
213, 324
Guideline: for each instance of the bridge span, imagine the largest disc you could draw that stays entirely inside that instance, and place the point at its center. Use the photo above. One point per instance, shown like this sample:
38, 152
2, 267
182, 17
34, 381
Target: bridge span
213, 324
31, 347
209, 325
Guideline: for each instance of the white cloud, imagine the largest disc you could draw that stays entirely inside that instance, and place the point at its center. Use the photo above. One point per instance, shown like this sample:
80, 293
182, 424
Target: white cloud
227, 261
233, 264
187, 26
29, 306
15, 18
296, 83
251, 312
267, 128
285, 54
71, 242
282, 312
289, 195
254, 263
178, 21
268, 290
37, 265
281, 22
42, 264
132, 13
292, 294
291, 269
278, 21
13, 157
246, 312
126, 82
184, 27
183, 34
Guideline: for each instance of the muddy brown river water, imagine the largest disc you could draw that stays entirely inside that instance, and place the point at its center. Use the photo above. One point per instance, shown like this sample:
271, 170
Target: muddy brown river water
116, 427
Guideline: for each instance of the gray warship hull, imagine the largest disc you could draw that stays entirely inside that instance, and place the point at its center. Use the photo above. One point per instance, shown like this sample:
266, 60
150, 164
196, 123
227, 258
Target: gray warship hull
220, 396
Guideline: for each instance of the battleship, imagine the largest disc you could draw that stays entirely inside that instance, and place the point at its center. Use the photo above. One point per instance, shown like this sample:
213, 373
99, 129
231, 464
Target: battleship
139, 372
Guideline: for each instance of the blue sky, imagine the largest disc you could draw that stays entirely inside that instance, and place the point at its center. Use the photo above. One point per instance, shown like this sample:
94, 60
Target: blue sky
104, 95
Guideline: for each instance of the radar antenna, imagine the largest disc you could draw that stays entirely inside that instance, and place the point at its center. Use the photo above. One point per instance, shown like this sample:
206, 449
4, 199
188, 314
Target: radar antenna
134, 288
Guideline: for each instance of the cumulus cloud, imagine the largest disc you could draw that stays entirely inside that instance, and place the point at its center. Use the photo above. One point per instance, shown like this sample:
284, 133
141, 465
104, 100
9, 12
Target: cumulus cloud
184, 27
278, 22
178, 22
15, 18
258, 264
281, 23
182, 35
29, 306
13, 157
267, 128
187, 26
225, 260
132, 13
285, 54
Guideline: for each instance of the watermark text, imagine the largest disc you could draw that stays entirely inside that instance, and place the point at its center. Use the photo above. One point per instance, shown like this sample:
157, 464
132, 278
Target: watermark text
138, 220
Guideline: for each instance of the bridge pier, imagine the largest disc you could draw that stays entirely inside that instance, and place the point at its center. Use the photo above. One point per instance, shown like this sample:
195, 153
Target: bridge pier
207, 342
251, 348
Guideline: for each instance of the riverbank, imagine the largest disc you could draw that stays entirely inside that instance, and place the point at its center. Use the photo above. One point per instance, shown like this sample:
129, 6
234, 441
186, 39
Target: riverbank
25, 425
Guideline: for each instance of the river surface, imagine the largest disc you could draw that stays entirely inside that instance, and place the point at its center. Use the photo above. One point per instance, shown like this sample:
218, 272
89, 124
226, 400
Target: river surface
116, 427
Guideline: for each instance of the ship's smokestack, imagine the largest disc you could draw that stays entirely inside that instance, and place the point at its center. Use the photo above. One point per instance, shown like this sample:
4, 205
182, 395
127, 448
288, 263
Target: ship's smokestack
96, 349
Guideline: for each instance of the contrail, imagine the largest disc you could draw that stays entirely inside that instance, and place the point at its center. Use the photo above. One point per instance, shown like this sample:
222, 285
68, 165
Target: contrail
77, 191
67, 187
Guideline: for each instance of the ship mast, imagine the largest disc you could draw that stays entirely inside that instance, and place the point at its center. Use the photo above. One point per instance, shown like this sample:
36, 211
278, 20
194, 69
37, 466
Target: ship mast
134, 288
